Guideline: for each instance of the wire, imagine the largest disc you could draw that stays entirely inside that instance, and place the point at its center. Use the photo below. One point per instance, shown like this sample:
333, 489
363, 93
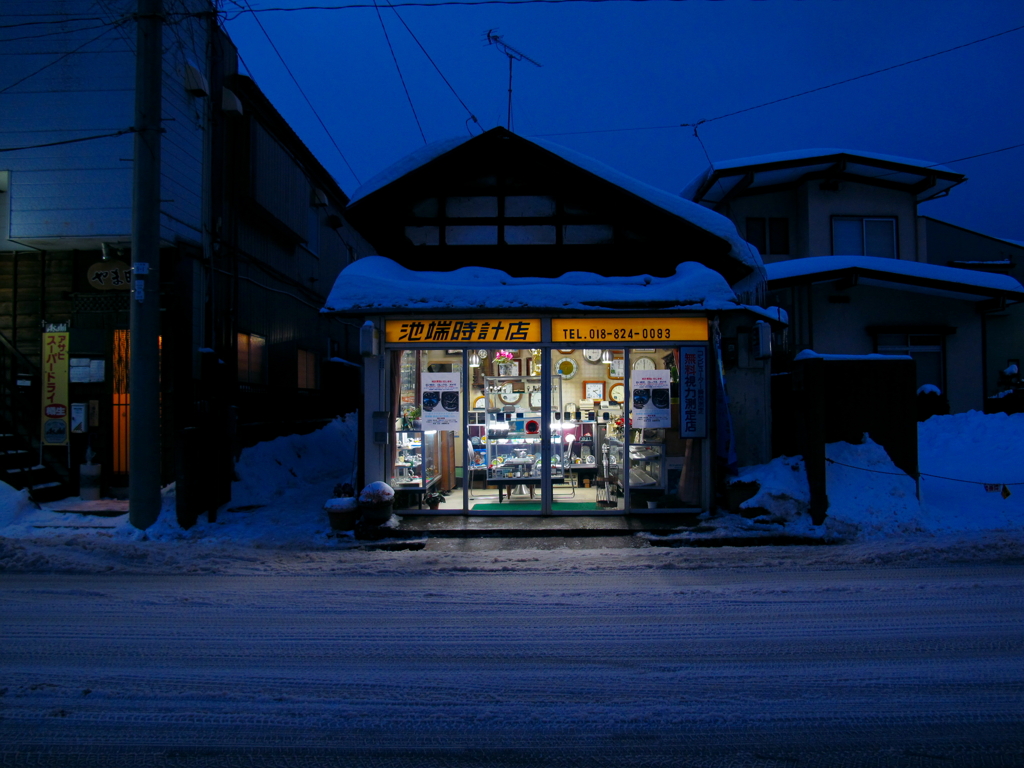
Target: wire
304, 96
68, 141
922, 474
795, 95
58, 32
61, 58
450, 87
400, 76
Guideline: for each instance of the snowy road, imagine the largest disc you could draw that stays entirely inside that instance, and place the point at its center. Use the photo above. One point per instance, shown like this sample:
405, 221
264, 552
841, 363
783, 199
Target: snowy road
868, 665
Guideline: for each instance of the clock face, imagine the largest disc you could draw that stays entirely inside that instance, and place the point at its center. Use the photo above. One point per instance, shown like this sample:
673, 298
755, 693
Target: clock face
535, 400
617, 393
566, 366
644, 364
592, 355
510, 398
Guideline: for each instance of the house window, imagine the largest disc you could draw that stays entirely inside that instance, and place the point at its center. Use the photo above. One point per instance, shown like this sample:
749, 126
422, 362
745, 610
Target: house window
928, 351
252, 358
769, 235
307, 370
863, 236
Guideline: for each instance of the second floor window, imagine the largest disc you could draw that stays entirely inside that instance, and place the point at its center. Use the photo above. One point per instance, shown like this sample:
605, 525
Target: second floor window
769, 235
864, 236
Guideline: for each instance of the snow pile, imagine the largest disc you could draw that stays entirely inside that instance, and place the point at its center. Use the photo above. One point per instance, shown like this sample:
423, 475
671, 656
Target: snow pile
984, 448
376, 282
875, 500
12, 504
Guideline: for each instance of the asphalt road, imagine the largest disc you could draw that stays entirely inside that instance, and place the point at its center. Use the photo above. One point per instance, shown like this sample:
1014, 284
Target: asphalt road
863, 666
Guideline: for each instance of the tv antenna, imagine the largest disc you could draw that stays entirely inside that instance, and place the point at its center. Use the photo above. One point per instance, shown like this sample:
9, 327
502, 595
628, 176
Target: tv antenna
513, 56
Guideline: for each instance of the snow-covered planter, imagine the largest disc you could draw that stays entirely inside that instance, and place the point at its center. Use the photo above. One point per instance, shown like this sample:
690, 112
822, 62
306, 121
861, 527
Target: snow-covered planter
343, 513
376, 502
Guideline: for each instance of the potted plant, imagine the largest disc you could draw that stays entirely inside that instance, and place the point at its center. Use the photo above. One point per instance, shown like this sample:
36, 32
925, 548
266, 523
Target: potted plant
376, 502
434, 499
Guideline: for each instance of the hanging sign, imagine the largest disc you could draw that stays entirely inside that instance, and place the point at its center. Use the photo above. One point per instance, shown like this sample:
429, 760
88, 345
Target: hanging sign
475, 330
693, 394
629, 329
110, 276
440, 400
56, 359
651, 408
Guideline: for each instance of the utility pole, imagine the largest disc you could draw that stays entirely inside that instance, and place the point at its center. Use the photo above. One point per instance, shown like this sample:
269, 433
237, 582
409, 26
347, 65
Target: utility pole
513, 55
144, 371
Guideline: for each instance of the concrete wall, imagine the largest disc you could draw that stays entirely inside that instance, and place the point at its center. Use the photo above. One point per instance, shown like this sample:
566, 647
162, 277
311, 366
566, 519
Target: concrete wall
842, 329
853, 199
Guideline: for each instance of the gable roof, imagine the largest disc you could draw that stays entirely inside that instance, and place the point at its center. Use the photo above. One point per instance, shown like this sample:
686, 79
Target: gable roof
684, 210
783, 170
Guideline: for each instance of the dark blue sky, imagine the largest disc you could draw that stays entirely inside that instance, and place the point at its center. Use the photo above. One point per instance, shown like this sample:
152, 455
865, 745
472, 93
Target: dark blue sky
623, 65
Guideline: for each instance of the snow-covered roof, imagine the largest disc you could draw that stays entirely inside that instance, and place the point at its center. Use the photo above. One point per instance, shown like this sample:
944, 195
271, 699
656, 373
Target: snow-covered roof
926, 180
376, 283
968, 282
698, 215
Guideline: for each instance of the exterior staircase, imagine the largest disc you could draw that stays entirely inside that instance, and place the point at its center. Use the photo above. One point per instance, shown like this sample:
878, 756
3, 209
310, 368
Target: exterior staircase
20, 463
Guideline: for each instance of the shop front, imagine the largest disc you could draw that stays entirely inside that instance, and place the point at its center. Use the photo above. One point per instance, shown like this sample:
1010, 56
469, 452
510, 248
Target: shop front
544, 414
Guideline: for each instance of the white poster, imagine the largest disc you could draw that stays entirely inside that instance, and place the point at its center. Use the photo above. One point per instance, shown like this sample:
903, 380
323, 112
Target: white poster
440, 400
651, 399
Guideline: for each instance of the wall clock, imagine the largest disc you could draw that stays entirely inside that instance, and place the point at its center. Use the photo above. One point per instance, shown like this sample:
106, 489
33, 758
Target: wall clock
507, 396
535, 400
566, 366
617, 393
593, 390
644, 364
592, 355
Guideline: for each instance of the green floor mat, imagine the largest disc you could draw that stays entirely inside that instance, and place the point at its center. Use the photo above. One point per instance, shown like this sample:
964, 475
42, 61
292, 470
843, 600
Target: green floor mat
534, 506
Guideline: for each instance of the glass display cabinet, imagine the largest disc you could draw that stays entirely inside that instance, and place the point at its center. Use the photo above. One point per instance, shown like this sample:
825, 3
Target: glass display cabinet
514, 426
645, 468
416, 463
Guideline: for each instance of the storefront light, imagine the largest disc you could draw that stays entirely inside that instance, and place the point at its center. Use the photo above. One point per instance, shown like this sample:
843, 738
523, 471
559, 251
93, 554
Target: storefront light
474, 360
606, 356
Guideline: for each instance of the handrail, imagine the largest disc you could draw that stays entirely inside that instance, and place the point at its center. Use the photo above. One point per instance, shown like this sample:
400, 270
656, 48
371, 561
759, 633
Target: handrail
33, 368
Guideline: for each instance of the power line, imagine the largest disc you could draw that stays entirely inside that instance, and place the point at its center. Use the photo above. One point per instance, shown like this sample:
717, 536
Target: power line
304, 96
68, 141
787, 98
400, 76
922, 474
439, 72
59, 58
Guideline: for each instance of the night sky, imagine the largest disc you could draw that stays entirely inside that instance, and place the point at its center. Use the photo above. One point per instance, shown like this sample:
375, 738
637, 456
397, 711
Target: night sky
655, 65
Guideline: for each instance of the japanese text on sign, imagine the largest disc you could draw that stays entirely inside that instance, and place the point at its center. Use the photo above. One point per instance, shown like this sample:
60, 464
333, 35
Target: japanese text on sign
629, 329
450, 331
693, 401
56, 358
110, 276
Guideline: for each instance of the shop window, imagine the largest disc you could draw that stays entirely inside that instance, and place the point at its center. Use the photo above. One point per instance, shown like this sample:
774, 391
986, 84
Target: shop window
307, 369
252, 358
471, 207
928, 351
530, 234
529, 205
586, 234
769, 235
863, 236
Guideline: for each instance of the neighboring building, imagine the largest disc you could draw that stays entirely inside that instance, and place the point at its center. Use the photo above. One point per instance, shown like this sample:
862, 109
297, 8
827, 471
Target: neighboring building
537, 300
860, 271
253, 236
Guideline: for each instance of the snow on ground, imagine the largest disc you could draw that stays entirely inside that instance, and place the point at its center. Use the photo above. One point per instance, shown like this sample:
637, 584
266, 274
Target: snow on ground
276, 522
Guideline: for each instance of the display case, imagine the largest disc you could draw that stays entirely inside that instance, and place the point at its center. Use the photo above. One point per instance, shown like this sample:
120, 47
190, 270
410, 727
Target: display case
645, 468
416, 460
514, 426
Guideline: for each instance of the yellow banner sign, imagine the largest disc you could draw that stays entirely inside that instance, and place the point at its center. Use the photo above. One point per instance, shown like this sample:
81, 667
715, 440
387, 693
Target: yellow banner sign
56, 354
464, 330
629, 330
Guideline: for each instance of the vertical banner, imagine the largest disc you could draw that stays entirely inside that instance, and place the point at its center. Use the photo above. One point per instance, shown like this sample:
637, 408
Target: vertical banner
56, 361
651, 399
693, 394
440, 400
